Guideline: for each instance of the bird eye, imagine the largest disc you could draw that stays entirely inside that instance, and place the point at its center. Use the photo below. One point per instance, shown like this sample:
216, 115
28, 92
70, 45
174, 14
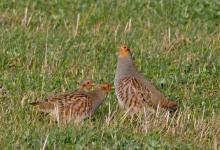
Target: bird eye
124, 47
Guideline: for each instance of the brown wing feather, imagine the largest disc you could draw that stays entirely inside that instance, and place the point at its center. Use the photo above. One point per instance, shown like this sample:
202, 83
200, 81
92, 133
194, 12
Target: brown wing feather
78, 106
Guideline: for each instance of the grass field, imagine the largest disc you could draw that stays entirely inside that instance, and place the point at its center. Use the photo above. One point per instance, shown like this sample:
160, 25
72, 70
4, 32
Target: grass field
51, 46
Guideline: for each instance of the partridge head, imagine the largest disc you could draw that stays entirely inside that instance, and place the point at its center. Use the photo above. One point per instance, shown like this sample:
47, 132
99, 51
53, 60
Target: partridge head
86, 85
124, 51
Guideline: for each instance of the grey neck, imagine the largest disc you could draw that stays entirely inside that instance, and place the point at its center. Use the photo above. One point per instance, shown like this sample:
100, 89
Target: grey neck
125, 66
98, 96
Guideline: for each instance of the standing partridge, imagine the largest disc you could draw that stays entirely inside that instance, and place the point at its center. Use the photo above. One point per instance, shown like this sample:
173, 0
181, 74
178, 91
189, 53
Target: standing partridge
133, 91
75, 105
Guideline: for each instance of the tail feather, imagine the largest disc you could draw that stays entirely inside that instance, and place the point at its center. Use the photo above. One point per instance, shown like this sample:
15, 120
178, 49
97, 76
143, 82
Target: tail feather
43, 106
168, 104
34, 103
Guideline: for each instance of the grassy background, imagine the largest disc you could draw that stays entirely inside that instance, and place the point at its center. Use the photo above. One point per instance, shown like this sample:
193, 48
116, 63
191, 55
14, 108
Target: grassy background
51, 46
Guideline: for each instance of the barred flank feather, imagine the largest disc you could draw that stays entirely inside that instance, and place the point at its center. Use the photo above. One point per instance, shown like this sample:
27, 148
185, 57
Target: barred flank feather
131, 94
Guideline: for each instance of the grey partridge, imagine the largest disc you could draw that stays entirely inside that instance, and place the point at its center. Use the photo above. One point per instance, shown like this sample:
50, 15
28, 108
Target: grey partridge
74, 106
133, 91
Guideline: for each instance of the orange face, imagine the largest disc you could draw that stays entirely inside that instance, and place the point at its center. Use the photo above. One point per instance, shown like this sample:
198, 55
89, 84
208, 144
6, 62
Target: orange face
106, 87
124, 51
87, 84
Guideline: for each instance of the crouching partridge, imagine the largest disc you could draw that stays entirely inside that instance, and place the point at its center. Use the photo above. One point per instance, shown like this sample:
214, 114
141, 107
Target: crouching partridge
133, 91
74, 106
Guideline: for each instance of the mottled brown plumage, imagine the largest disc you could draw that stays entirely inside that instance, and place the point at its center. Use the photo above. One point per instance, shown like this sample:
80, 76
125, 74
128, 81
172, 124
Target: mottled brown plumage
75, 105
133, 91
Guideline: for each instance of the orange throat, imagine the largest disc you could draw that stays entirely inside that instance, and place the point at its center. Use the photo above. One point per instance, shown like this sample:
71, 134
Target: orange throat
123, 54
